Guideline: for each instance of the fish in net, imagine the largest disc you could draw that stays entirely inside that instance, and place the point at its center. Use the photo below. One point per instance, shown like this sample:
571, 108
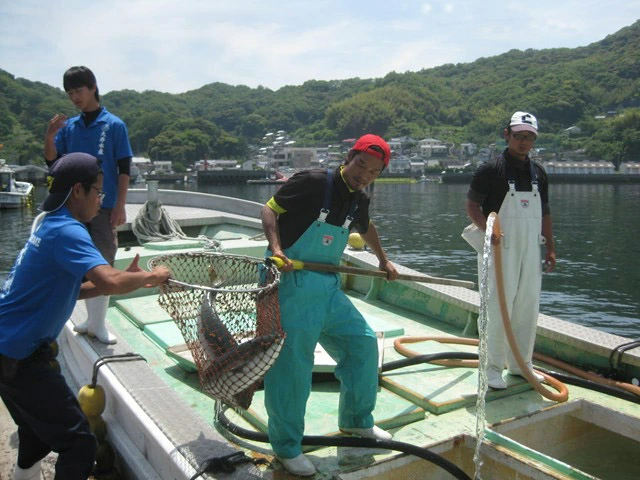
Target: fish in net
226, 307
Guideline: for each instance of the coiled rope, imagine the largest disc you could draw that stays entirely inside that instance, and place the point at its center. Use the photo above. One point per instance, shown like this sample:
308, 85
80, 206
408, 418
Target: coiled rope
154, 224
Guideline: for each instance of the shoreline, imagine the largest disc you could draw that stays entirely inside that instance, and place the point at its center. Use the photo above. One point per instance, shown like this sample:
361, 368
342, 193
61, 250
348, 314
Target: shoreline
557, 178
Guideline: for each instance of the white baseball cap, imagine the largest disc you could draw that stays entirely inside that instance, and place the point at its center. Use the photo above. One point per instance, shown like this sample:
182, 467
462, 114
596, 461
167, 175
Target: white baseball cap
523, 121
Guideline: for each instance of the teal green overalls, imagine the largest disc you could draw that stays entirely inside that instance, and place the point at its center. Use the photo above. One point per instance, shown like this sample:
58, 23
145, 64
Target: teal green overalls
313, 309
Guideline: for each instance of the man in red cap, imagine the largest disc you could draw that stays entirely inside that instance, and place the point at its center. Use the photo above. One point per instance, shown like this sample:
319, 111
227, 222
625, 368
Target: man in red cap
309, 219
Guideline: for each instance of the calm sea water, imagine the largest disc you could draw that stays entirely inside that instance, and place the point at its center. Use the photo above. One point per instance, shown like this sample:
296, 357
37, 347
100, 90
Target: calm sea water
597, 229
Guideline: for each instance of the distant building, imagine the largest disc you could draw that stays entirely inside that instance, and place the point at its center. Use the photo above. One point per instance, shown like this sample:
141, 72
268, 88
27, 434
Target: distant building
417, 167
249, 165
162, 166
469, 149
579, 167
402, 145
395, 145
432, 147
140, 166
207, 164
630, 168
399, 164
296, 158
303, 157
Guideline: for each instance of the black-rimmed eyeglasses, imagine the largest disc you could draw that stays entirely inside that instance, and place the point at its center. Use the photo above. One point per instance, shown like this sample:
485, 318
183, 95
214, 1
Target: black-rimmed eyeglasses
101, 193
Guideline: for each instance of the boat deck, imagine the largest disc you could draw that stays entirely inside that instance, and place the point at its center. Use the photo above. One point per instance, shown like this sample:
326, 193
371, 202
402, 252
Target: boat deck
170, 421
427, 405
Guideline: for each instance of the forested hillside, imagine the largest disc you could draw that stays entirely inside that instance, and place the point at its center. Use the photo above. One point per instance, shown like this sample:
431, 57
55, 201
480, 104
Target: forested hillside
455, 103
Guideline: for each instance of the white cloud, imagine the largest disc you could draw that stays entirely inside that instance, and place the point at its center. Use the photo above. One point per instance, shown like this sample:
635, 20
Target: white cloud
178, 46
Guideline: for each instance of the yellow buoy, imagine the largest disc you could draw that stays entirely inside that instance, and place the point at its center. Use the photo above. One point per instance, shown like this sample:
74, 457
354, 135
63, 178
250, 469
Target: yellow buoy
92, 400
356, 241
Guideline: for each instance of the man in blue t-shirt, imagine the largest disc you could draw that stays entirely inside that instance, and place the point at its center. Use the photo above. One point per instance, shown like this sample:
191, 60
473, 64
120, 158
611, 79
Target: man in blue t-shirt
101, 134
37, 299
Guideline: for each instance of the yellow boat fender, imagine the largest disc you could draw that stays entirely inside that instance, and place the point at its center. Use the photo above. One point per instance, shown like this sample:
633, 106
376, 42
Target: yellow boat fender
92, 400
356, 241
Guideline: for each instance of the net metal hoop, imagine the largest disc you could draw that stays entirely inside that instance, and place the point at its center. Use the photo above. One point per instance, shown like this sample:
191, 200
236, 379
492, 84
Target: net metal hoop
226, 307
170, 259
213, 289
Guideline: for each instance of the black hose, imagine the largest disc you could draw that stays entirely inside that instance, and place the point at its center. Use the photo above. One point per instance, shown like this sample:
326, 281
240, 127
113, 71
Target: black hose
563, 377
591, 385
407, 448
431, 357
318, 440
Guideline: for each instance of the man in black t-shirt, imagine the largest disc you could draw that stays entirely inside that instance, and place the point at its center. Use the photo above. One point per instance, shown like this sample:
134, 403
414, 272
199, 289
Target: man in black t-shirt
517, 188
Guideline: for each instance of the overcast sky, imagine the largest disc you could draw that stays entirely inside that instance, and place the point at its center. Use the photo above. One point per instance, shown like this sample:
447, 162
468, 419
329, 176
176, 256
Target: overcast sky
176, 46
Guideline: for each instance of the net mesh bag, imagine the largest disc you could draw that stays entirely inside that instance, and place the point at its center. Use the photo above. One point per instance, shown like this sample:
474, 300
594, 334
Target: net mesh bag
226, 307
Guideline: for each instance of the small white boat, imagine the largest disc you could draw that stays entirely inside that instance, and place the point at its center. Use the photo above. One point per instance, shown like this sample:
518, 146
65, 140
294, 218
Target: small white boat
13, 194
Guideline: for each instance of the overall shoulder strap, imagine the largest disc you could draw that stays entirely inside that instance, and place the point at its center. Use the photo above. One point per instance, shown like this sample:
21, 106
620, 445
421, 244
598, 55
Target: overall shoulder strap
328, 195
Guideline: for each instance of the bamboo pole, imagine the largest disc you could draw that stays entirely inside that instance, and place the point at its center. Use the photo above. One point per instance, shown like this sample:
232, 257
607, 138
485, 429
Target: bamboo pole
323, 267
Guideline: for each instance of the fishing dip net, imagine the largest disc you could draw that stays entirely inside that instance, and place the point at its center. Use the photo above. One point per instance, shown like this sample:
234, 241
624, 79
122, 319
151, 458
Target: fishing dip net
226, 307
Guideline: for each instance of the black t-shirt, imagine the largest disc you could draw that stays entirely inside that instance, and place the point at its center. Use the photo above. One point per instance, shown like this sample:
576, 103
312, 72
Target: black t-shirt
489, 185
302, 197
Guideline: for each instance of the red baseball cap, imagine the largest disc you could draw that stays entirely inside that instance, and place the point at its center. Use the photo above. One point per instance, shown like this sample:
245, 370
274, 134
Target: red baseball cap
369, 140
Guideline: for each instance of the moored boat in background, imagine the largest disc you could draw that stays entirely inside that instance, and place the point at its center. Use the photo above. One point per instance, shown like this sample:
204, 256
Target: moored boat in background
13, 193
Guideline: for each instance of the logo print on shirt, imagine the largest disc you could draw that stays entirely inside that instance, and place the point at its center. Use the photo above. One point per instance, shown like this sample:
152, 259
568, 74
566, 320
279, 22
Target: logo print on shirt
327, 240
524, 203
103, 139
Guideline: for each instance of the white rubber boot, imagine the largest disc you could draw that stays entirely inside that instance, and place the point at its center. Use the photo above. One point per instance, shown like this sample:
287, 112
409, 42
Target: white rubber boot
97, 310
374, 432
516, 371
300, 466
84, 326
34, 472
494, 378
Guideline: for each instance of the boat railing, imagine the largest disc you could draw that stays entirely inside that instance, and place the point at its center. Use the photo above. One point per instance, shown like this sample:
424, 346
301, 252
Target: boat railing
198, 200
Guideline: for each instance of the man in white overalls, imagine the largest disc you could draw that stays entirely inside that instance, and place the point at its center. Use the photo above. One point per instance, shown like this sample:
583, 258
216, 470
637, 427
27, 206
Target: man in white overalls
309, 219
516, 187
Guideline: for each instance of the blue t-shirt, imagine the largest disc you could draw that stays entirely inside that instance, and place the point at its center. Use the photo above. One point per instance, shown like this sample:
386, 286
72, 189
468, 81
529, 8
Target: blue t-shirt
43, 286
105, 138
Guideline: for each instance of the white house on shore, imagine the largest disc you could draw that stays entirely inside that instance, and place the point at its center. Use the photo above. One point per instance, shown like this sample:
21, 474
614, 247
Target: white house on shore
432, 147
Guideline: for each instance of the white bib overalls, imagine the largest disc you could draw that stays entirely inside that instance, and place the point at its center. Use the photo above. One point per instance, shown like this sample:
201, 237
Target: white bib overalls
521, 221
